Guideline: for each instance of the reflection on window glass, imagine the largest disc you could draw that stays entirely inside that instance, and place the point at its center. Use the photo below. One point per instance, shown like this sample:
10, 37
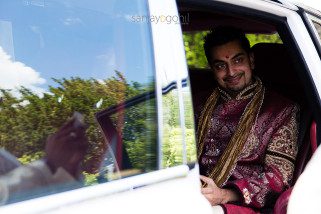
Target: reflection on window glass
59, 57
189, 126
172, 137
131, 137
173, 132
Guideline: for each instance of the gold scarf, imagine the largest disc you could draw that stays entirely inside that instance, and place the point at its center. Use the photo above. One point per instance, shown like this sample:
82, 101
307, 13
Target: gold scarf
226, 163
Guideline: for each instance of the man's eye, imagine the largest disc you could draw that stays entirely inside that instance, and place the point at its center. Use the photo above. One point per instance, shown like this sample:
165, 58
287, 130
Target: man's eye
238, 60
220, 66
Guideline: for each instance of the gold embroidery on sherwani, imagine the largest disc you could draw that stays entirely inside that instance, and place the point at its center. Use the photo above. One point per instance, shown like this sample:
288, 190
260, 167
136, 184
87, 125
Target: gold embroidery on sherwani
226, 163
282, 150
251, 145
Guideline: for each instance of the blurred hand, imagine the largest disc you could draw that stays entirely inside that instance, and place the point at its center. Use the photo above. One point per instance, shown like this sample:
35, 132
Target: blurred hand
67, 148
212, 192
216, 195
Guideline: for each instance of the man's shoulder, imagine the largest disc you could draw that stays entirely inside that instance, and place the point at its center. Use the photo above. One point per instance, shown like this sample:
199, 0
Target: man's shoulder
276, 100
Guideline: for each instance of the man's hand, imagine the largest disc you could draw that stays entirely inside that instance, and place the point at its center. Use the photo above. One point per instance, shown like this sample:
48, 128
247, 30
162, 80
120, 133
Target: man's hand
67, 148
216, 195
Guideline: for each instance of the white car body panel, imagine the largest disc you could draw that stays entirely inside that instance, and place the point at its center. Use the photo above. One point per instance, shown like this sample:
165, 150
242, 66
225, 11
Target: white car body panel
168, 190
176, 189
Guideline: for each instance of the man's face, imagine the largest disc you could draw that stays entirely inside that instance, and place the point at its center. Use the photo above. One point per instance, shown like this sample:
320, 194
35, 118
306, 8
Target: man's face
232, 66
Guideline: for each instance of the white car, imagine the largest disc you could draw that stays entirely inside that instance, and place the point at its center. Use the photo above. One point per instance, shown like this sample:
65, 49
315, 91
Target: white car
135, 70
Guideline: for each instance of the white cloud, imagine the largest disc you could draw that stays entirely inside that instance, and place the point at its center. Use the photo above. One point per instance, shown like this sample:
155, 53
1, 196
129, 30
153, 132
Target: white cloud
15, 74
101, 81
108, 59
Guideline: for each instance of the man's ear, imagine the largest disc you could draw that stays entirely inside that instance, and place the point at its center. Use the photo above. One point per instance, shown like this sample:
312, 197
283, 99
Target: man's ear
252, 60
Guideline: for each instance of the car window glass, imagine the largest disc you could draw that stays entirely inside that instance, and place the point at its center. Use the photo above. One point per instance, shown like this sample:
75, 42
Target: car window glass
172, 137
190, 126
59, 57
172, 148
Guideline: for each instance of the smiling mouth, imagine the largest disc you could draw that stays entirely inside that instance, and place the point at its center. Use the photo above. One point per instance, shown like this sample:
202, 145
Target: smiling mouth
233, 80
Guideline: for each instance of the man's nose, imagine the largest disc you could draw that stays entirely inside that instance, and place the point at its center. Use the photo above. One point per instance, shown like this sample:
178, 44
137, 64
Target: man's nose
230, 70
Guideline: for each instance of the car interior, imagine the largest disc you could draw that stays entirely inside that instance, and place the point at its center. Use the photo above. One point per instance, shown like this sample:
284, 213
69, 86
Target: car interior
279, 65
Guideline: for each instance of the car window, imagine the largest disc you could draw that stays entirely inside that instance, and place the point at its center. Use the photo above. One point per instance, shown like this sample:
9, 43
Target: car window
59, 57
173, 152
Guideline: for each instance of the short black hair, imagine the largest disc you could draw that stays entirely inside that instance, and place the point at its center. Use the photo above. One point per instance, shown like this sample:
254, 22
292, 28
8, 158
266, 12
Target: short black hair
222, 35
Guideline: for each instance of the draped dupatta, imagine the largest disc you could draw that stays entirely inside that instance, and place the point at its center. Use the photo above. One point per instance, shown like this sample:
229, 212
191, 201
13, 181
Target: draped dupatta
226, 163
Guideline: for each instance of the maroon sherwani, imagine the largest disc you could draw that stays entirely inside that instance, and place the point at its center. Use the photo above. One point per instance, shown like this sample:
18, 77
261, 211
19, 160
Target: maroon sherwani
264, 167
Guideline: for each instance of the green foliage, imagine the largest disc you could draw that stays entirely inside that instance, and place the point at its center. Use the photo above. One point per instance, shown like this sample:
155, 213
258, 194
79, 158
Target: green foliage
189, 114
140, 135
25, 159
90, 179
193, 43
28, 120
172, 146
267, 38
172, 134
171, 109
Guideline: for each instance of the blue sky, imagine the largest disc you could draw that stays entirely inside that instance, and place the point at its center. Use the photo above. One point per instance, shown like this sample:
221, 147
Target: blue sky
40, 40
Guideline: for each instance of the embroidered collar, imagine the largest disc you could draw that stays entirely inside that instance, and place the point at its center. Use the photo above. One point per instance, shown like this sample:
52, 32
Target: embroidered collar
246, 93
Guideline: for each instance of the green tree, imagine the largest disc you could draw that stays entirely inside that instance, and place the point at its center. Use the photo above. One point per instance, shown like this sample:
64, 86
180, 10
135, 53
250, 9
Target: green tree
268, 38
27, 120
193, 43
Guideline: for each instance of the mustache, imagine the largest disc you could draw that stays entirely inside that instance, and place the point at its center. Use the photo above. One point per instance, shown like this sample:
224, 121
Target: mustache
229, 78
